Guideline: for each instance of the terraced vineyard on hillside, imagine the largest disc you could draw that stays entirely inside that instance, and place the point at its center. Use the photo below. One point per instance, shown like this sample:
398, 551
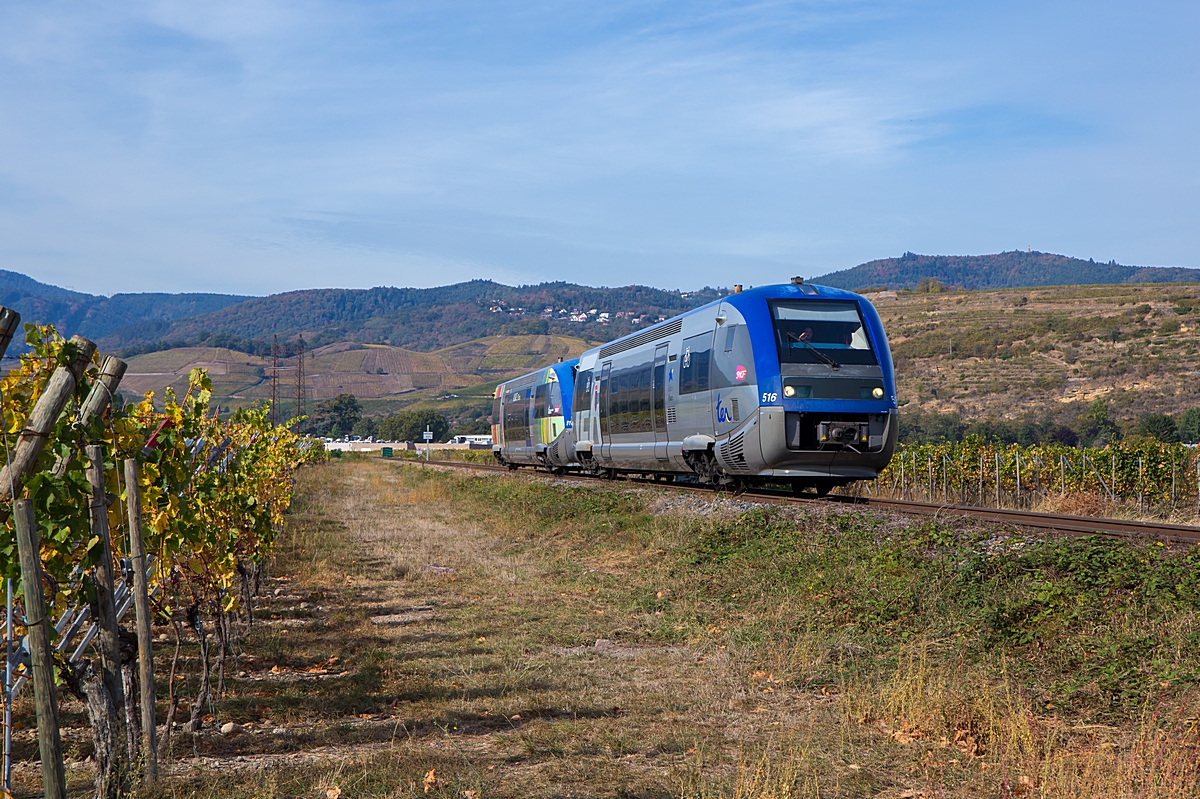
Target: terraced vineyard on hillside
1020, 352
369, 371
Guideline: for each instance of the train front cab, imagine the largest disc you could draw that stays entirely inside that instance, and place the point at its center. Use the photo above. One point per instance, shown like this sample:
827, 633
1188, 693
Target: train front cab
827, 393
750, 388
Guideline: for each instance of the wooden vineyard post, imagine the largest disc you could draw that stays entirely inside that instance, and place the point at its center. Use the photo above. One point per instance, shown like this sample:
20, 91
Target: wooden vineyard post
981, 479
997, 479
106, 610
1141, 484
111, 372
1113, 479
42, 419
40, 653
141, 599
10, 320
1017, 455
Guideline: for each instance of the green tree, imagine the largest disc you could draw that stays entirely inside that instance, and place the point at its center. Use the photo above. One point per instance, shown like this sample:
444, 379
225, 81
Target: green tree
1189, 426
337, 416
364, 427
1094, 426
1160, 426
410, 425
474, 427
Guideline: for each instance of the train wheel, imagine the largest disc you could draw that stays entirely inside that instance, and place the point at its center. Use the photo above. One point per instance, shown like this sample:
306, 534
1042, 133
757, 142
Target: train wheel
512, 467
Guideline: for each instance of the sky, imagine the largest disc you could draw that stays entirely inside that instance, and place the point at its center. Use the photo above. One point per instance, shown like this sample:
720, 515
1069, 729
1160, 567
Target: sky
254, 147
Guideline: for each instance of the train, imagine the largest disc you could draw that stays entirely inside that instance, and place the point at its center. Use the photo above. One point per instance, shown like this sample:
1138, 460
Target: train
784, 384
531, 417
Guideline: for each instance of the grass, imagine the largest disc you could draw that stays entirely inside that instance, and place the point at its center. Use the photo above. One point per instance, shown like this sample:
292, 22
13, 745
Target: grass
742, 652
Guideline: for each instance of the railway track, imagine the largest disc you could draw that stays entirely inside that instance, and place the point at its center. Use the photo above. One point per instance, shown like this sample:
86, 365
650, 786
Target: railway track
1049, 522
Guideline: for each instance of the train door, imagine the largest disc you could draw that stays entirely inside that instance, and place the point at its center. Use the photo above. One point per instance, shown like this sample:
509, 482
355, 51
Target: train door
659, 411
527, 398
732, 377
695, 401
605, 388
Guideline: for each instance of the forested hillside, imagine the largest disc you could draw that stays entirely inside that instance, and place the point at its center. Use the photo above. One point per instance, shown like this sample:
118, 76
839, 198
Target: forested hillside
1002, 270
418, 319
95, 316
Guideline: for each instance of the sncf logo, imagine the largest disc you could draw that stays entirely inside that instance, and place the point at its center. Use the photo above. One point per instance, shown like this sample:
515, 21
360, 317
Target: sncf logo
739, 373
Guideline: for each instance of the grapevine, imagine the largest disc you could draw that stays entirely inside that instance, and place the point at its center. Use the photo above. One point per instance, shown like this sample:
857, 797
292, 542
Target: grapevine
213, 493
1149, 473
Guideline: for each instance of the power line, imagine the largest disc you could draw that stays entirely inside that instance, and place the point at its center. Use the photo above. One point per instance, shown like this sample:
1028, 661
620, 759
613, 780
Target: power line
274, 379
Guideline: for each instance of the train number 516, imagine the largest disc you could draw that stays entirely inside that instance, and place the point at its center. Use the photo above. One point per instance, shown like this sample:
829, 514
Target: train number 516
770, 396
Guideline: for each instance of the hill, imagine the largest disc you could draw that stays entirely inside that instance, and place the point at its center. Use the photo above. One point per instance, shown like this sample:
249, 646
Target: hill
416, 319
1045, 354
1002, 270
96, 316
383, 377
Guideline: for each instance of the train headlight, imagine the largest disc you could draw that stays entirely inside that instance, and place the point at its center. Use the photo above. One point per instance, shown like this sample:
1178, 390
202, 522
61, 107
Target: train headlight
789, 391
877, 392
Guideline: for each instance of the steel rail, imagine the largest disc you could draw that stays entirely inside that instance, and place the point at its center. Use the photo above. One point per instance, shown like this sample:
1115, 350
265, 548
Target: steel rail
1032, 520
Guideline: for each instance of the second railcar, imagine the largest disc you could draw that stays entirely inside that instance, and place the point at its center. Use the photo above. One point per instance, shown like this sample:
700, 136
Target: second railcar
531, 415
789, 383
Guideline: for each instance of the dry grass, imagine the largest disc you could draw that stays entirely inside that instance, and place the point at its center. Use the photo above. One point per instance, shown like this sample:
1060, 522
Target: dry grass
491, 677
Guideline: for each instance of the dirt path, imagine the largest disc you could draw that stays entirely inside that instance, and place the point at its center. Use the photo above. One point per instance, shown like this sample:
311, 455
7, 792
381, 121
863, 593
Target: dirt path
409, 646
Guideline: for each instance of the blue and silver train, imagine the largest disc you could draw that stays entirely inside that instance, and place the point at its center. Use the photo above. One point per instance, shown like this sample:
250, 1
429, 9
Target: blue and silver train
788, 384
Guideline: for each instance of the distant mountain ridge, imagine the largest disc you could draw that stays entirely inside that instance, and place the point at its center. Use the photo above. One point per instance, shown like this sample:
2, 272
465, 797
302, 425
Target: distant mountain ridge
95, 317
426, 319
419, 319
1003, 270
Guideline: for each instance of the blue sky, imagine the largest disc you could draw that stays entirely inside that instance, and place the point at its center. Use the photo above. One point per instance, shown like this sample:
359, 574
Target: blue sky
256, 147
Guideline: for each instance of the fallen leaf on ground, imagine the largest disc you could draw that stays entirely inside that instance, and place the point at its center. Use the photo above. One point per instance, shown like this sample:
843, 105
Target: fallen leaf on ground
333, 793
431, 780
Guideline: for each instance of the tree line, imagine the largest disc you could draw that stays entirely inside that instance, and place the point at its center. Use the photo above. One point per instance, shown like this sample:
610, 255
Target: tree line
342, 415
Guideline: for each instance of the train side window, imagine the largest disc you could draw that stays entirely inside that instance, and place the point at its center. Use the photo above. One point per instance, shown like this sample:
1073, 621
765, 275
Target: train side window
496, 412
583, 392
730, 333
635, 400
622, 403
539, 401
693, 370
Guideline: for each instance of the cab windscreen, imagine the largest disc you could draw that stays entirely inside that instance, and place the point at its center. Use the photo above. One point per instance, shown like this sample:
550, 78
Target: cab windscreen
828, 332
